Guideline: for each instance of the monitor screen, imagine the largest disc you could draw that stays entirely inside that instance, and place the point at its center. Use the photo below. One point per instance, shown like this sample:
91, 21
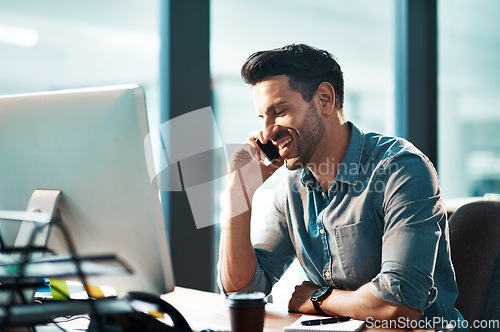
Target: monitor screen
89, 144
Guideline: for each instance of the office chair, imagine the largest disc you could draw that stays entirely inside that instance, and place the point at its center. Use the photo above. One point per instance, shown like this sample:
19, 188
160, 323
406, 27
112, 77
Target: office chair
475, 252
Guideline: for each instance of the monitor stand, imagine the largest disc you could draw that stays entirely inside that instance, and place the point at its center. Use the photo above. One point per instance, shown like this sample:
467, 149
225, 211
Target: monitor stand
33, 231
43, 202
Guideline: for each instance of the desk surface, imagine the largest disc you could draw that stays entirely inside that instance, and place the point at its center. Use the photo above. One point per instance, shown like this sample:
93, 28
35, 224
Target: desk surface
204, 310
209, 310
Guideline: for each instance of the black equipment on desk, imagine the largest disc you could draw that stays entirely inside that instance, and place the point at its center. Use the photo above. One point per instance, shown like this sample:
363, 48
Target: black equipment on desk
140, 321
25, 265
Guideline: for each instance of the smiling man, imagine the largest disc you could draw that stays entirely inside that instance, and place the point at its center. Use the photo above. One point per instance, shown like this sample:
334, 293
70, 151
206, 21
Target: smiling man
361, 212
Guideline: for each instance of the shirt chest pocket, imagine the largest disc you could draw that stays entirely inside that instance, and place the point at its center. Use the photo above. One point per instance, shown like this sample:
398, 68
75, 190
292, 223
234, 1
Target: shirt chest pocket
360, 250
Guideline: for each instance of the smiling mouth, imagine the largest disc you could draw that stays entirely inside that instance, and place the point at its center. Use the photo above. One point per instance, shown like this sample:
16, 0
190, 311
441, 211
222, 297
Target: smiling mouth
283, 147
285, 142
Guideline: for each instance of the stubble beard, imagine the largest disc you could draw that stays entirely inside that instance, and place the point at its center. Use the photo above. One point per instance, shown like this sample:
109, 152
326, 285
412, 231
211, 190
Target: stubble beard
311, 132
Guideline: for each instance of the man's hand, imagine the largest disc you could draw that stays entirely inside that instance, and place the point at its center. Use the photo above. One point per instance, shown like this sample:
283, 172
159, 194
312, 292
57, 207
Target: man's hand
248, 163
301, 298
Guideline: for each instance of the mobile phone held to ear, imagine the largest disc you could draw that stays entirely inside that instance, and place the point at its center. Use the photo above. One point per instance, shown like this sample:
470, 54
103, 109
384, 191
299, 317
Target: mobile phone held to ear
269, 149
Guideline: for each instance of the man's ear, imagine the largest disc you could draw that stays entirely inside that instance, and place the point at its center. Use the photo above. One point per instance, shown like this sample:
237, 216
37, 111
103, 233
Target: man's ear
325, 95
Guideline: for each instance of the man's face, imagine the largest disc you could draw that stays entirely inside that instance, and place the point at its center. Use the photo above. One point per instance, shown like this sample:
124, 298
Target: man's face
293, 124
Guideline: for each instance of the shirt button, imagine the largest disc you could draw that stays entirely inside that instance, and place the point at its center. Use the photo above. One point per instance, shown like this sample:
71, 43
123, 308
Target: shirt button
322, 231
327, 274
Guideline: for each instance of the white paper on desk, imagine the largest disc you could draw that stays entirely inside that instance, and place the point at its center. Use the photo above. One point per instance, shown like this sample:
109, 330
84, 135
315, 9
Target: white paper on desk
349, 326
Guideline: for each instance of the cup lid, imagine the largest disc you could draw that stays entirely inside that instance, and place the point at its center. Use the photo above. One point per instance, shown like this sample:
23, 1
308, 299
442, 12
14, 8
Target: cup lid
246, 299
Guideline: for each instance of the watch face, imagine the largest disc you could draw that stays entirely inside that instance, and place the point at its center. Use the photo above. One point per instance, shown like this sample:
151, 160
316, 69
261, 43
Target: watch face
319, 293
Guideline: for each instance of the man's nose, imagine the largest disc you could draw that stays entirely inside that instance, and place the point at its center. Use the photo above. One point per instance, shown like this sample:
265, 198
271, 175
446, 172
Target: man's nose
270, 128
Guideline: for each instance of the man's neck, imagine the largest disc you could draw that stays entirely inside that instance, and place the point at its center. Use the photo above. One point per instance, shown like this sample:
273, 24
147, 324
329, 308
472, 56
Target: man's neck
333, 149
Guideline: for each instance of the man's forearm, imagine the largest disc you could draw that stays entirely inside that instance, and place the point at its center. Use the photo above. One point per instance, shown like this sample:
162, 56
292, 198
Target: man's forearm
359, 304
237, 256
362, 304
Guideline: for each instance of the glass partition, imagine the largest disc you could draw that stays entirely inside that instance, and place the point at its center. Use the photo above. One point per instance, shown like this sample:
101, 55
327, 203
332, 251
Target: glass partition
57, 44
469, 89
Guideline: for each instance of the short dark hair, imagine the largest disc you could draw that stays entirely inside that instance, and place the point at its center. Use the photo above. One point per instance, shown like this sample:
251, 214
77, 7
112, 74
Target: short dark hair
306, 66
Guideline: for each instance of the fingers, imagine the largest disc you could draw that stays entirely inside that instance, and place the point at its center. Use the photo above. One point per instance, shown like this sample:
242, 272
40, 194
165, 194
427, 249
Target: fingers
251, 146
250, 152
300, 300
258, 135
254, 149
241, 157
309, 283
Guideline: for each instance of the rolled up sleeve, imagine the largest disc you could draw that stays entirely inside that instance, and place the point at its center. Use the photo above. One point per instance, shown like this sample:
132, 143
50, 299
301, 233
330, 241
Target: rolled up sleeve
273, 247
414, 222
399, 289
259, 283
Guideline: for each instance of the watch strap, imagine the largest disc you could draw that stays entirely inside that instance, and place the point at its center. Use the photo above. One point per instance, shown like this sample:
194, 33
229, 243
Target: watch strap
318, 308
318, 299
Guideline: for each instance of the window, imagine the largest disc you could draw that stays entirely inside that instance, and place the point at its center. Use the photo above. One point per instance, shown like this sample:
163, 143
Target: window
52, 45
468, 87
241, 28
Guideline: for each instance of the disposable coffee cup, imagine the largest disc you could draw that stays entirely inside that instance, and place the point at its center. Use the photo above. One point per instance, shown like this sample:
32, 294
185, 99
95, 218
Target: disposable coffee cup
246, 311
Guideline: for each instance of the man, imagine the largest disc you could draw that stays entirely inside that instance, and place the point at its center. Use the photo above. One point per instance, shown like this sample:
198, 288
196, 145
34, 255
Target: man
362, 213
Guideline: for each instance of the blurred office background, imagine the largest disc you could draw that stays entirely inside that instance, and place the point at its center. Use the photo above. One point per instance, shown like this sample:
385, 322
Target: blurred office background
198, 46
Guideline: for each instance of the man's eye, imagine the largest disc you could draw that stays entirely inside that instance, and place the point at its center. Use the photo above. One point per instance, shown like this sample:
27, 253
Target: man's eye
281, 112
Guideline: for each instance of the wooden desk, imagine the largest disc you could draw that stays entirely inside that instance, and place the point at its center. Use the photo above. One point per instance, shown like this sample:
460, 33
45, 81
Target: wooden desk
209, 310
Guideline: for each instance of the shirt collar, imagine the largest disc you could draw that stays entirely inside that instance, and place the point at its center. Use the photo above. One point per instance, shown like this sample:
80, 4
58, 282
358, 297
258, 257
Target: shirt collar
349, 169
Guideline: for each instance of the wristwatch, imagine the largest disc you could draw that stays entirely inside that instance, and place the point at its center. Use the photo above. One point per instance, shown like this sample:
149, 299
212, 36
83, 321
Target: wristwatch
319, 296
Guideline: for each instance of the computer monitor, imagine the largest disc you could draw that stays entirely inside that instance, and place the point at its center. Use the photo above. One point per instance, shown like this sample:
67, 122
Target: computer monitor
88, 143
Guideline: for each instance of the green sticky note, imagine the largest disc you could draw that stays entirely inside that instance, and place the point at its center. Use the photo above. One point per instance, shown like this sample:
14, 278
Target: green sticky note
59, 289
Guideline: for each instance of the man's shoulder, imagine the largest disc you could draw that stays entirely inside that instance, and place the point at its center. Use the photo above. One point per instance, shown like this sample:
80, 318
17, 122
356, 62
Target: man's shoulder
388, 148
397, 159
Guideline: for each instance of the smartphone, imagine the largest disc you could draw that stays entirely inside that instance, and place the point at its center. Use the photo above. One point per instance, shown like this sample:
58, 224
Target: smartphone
269, 150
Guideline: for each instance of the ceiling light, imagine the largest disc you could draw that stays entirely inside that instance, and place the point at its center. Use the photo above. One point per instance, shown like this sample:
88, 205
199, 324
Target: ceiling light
18, 36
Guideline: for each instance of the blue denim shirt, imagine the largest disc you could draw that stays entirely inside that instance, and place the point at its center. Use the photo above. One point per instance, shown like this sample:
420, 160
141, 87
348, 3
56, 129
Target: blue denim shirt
382, 222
